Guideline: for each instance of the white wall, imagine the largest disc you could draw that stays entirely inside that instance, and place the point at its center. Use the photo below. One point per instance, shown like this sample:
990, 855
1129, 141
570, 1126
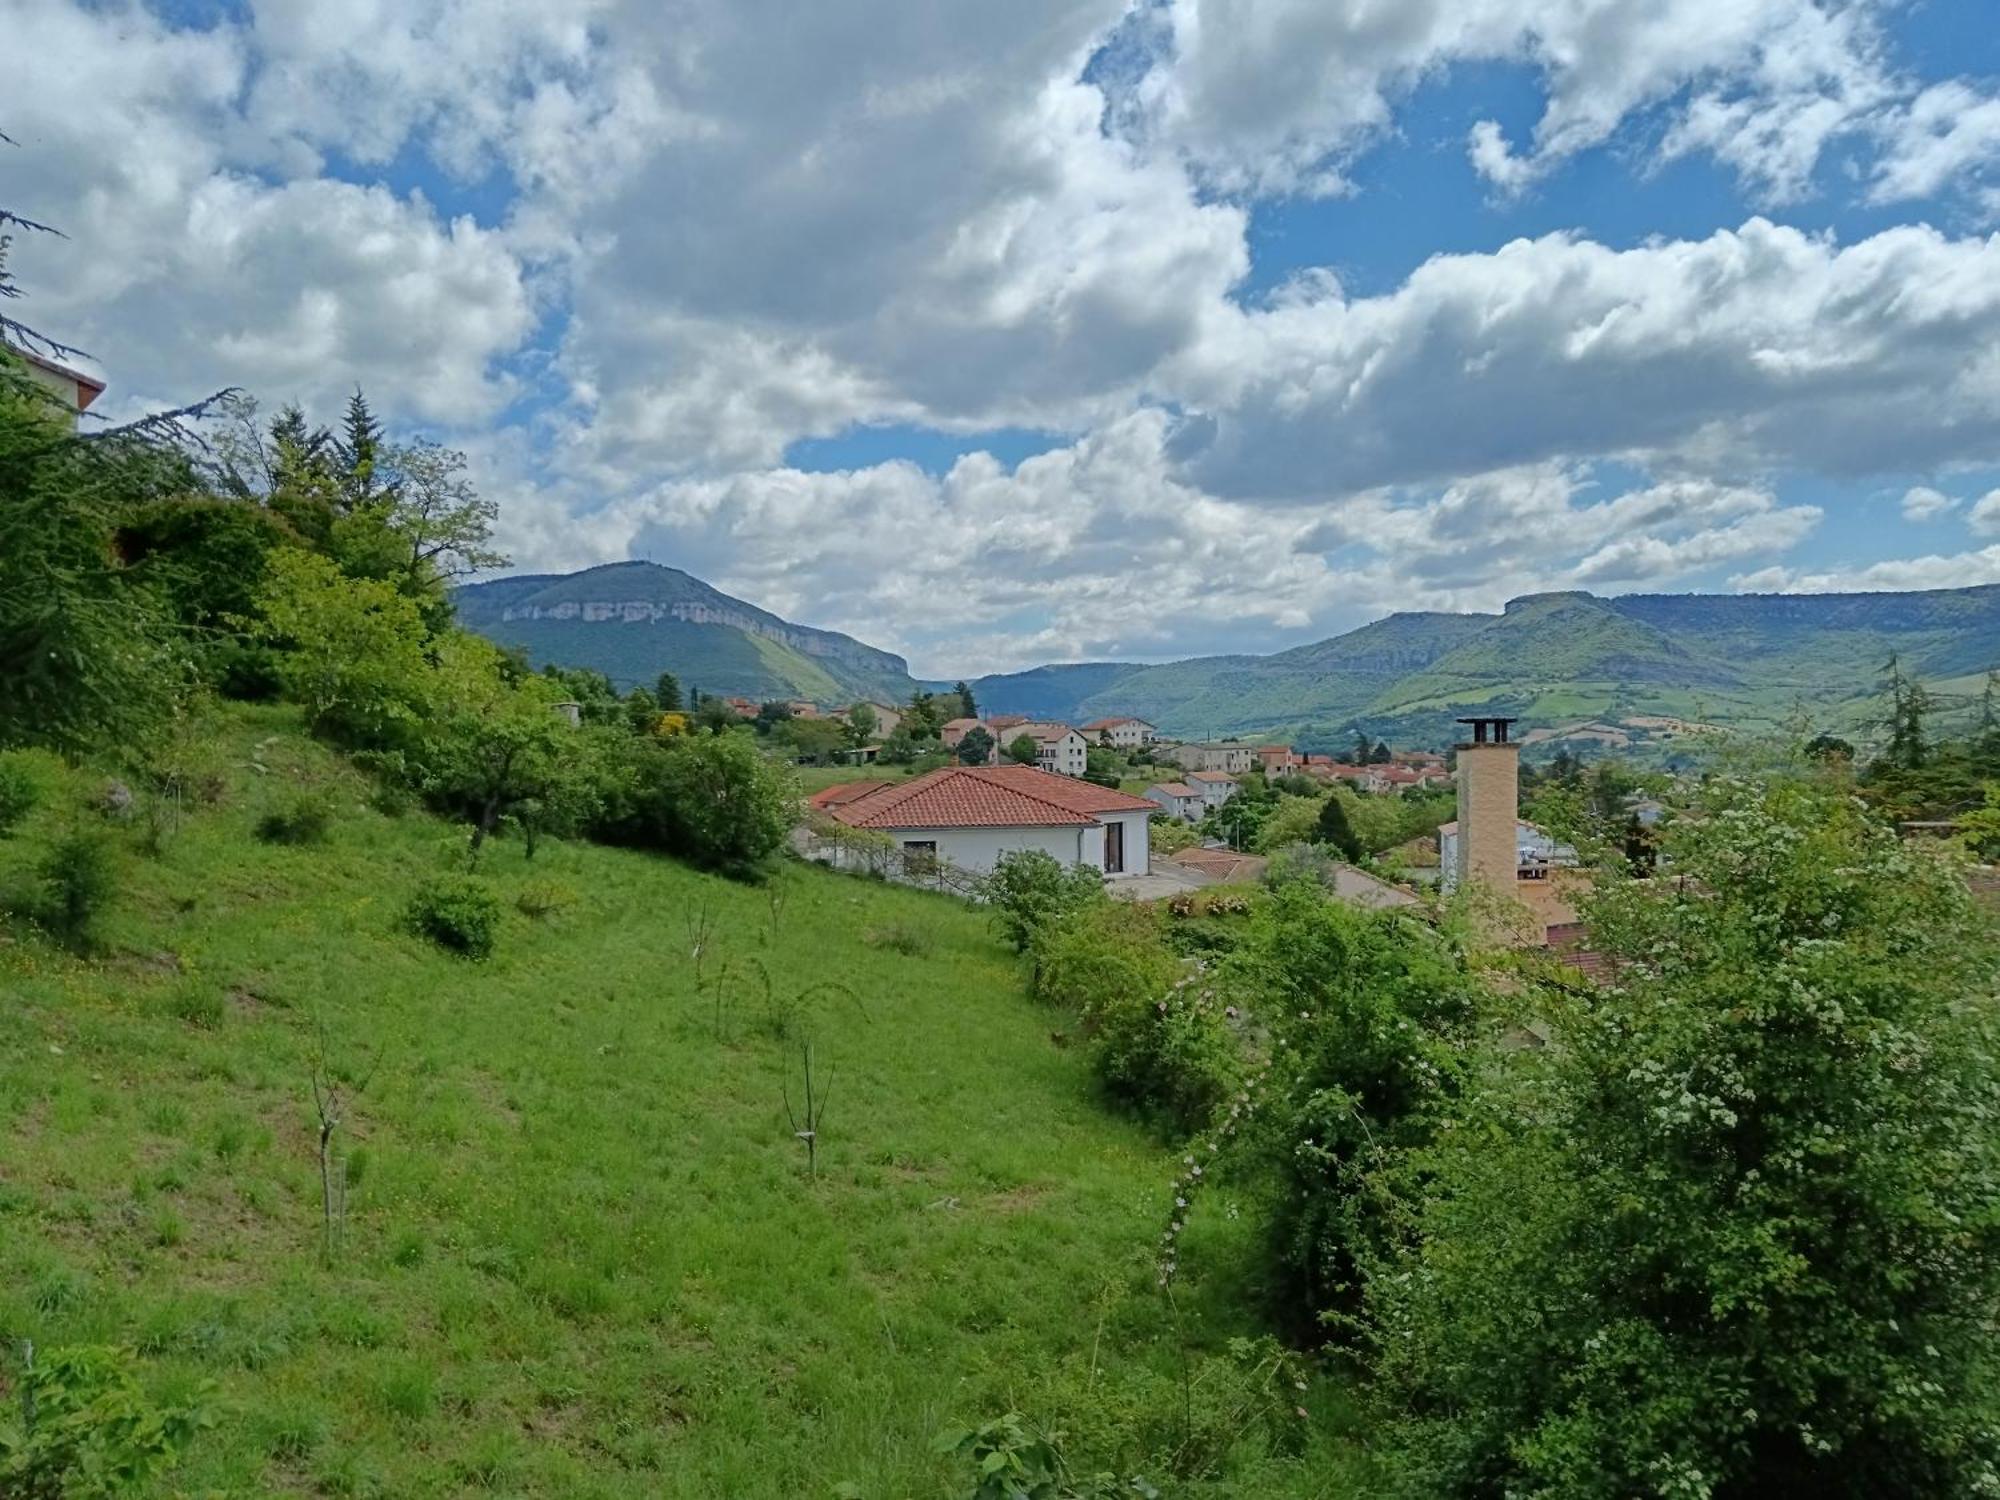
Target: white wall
979, 849
1138, 841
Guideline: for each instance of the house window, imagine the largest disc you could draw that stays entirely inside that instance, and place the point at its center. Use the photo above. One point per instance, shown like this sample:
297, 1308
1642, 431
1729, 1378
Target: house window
920, 857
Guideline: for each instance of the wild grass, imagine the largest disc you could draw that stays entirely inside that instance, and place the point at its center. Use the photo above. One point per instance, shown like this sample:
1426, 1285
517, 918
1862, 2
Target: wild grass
581, 1252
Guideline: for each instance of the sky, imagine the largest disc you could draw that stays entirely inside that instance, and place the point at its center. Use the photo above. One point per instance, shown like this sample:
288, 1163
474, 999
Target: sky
1074, 329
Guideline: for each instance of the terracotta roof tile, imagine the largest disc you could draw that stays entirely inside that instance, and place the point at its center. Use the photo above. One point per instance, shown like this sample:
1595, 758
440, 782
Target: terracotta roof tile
985, 797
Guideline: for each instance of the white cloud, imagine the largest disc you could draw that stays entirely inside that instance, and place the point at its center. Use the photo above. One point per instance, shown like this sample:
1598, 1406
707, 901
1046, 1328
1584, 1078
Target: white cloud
1939, 571
1922, 503
1984, 517
1756, 348
1947, 132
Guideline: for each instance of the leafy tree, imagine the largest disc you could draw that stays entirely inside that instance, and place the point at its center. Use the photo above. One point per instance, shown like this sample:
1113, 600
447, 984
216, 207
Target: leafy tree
715, 716
923, 717
1101, 768
817, 741
771, 715
667, 690
861, 723
444, 524
1294, 820
1336, 832
977, 746
1380, 756
899, 749
1828, 747
1362, 749
967, 708
490, 749
642, 711
1732, 1232
354, 649
1023, 750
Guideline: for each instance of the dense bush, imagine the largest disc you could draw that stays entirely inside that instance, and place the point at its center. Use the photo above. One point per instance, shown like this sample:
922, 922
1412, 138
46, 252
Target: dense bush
713, 799
88, 1431
20, 790
74, 882
1371, 1015
459, 912
1158, 1035
304, 817
544, 899
1029, 888
1733, 1232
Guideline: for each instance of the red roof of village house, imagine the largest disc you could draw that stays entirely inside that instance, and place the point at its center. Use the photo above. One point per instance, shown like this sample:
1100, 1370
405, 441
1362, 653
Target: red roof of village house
1175, 789
1113, 723
831, 797
980, 797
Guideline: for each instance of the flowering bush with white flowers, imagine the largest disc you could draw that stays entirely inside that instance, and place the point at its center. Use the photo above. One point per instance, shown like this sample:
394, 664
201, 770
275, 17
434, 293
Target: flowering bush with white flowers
1736, 1231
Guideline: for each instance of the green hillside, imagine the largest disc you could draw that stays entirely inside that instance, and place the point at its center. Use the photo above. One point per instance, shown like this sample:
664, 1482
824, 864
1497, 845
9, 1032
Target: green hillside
634, 620
582, 1257
1555, 659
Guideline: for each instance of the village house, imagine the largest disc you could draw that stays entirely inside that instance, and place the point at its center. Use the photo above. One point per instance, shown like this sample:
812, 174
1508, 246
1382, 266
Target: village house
1003, 727
1178, 800
1276, 760
955, 730
1229, 756
968, 816
1058, 748
1215, 787
73, 388
887, 718
1120, 734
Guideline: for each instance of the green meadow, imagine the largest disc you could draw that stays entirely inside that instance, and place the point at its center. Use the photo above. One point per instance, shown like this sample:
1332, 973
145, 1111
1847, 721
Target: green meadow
581, 1253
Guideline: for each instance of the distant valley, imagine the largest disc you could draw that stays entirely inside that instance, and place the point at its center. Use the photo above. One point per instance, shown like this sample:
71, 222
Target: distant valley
1639, 665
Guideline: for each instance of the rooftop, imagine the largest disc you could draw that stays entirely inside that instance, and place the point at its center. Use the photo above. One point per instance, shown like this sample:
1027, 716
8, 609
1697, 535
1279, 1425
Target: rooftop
975, 797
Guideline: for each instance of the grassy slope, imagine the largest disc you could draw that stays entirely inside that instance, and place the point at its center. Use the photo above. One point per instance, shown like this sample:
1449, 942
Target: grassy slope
583, 1259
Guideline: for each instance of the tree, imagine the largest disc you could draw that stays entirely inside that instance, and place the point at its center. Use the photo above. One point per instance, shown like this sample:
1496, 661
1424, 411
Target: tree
353, 649
1380, 756
1022, 750
668, 691
361, 451
715, 715
1827, 748
1909, 705
967, 709
445, 525
816, 741
922, 718
861, 723
1101, 769
977, 746
1362, 749
1336, 832
86, 657
1295, 820
491, 749
1759, 1254
771, 715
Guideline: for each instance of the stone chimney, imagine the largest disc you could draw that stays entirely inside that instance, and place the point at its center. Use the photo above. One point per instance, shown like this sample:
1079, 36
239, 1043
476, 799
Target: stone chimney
1489, 804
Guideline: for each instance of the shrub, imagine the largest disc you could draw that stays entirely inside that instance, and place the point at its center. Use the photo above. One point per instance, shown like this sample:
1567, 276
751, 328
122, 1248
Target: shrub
459, 912
713, 799
90, 1433
1010, 1461
19, 792
543, 899
74, 882
901, 937
1732, 1232
303, 818
1029, 888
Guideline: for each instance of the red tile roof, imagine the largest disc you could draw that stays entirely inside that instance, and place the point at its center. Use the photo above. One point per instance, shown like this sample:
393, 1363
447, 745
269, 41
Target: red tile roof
1175, 789
1113, 723
981, 797
831, 797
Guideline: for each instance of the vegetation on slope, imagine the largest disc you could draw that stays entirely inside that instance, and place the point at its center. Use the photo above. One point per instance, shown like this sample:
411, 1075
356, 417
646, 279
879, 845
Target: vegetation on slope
581, 1255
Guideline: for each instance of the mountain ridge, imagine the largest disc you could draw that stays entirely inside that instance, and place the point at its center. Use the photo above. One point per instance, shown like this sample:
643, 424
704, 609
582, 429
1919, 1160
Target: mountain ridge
1550, 659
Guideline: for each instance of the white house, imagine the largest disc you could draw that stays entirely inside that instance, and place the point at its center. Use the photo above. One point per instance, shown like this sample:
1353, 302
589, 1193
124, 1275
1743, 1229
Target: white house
968, 816
1229, 756
1058, 748
1178, 800
1120, 734
1214, 787
73, 388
